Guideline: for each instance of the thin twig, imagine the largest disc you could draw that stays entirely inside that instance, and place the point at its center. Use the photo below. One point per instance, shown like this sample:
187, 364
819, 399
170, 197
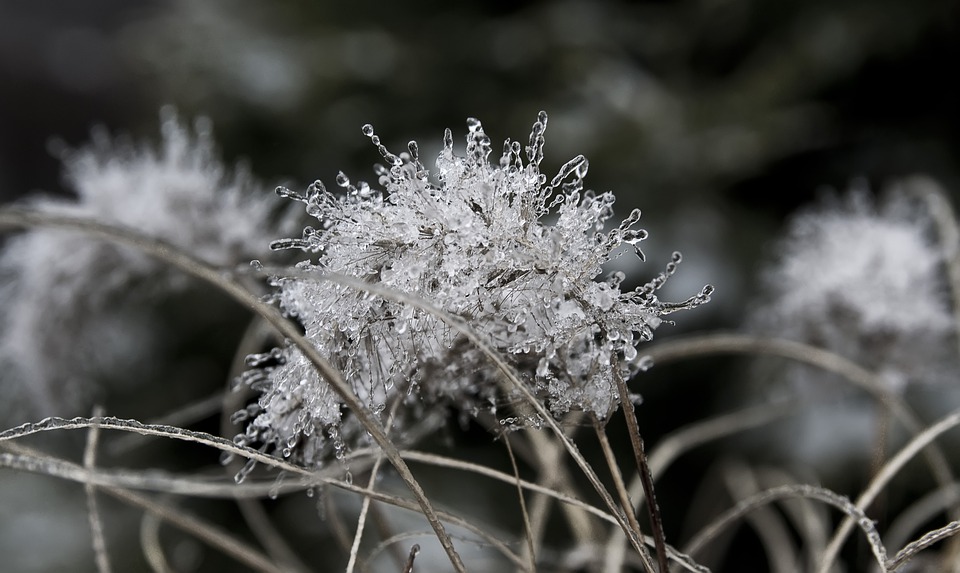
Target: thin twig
208, 532
882, 478
182, 416
371, 482
944, 217
675, 444
150, 543
791, 492
926, 540
527, 530
643, 469
768, 524
809, 519
339, 527
231, 400
723, 343
414, 550
621, 488
554, 475
27, 460
921, 511
269, 537
93, 511
442, 461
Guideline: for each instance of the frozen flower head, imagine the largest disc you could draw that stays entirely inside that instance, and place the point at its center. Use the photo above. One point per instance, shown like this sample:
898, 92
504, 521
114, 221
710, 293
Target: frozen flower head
497, 244
864, 279
72, 306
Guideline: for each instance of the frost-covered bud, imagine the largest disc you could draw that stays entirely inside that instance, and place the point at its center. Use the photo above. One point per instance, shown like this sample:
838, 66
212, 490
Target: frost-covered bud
498, 244
864, 280
72, 308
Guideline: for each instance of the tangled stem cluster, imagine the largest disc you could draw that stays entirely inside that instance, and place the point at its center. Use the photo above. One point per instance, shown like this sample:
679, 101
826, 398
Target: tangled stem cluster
515, 255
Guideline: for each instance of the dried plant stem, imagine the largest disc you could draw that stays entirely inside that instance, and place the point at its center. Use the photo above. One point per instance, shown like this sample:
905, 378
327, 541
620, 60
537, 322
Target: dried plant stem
339, 527
21, 218
621, 488
900, 559
941, 211
203, 530
183, 416
944, 217
643, 469
150, 543
882, 478
723, 343
268, 536
920, 512
408, 568
673, 445
768, 524
27, 460
254, 337
109, 482
365, 505
737, 512
809, 519
530, 550
442, 461
93, 510
362, 519
554, 476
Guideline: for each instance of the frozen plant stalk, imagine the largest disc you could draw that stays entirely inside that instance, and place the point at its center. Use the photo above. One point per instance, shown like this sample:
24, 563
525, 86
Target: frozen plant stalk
496, 244
864, 278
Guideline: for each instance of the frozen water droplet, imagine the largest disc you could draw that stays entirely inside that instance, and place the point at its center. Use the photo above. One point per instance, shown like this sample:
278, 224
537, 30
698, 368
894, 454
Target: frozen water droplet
367, 129
543, 367
348, 477
281, 244
274, 492
577, 166
310, 492
288, 194
448, 142
256, 265
342, 179
245, 471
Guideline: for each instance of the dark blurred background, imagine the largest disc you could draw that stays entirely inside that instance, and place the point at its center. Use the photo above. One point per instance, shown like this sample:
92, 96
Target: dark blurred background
718, 118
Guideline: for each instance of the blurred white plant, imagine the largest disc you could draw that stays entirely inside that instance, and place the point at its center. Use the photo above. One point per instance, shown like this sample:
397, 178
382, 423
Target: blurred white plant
495, 244
71, 306
865, 279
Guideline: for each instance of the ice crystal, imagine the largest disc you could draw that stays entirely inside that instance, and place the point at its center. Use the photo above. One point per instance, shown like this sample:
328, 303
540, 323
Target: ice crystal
497, 244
